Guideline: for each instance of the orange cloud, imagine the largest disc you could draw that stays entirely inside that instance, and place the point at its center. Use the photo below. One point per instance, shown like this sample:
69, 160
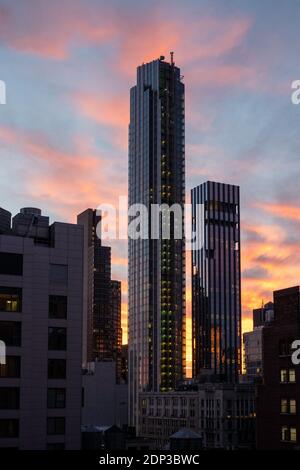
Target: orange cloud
284, 211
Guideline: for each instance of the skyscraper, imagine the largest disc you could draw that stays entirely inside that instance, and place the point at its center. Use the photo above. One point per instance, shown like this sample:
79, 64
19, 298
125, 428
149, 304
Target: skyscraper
216, 280
156, 266
101, 306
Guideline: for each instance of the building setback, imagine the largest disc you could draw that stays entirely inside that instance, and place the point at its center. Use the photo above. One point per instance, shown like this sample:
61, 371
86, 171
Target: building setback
278, 398
156, 266
216, 280
40, 323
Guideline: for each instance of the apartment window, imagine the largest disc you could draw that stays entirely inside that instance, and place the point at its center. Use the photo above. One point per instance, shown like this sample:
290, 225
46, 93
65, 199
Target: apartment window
292, 375
10, 299
56, 368
9, 398
293, 434
288, 434
12, 367
57, 339
284, 405
293, 406
9, 428
56, 397
10, 333
11, 264
287, 376
58, 306
58, 274
56, 426
288, 405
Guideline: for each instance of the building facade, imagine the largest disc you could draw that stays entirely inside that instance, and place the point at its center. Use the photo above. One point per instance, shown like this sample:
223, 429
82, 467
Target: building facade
156, 265
278, 398
102, 334
253, 361
222, 414
40, 323
216, 280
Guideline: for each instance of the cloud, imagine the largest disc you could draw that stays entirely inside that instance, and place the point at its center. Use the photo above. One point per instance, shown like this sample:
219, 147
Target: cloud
284, 211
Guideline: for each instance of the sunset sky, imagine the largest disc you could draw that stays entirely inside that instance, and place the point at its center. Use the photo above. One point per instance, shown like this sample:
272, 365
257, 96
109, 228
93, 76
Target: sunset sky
68, 66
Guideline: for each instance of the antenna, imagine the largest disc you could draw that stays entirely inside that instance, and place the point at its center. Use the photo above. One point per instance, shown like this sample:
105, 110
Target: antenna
172, 58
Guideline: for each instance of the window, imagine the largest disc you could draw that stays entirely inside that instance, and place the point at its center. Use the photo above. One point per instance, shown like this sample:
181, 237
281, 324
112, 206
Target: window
10, 333
284, 433
58, 274
284, 405
293, 434
57, 306
56, 397
9, 398
11, 263
12, 368
56, 426
9, 428
56, 368
287, 376
57, 339
292, 375
293, 406
10, 299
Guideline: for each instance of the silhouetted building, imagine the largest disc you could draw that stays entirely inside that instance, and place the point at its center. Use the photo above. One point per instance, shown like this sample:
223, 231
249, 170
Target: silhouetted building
263, 315
222, 414
40, 323
101, 296
185, 440
124, 363
216, 280
105, 402
156, 266
278, 400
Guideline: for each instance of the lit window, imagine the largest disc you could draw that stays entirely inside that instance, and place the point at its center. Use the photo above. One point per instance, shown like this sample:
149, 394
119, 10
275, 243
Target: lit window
293, 435
293, 406
283, 375
292, 375
284, 406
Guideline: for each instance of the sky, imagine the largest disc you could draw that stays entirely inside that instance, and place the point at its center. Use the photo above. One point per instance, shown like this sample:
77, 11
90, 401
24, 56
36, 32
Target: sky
68, 66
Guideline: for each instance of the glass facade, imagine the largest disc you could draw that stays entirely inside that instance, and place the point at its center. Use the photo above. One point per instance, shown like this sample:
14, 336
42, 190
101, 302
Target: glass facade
216, 280
156, 266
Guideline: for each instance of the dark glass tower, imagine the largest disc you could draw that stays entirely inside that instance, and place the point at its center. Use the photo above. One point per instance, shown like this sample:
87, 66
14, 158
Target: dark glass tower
101, 297
156, 267
216, 280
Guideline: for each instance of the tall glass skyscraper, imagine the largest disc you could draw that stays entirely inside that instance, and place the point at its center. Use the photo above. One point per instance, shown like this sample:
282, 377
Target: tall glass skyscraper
216, 280
156, 266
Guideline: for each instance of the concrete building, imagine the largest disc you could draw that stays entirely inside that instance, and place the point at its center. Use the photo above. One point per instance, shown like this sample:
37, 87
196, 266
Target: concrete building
105, 402
156, 270
40, 323
216, 280
222, 414
278, 398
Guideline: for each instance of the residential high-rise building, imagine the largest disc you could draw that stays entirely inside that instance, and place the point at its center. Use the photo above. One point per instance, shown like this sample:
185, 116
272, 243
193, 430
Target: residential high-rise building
156, 265
278, 398
40, 323
101, 296
216, 280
